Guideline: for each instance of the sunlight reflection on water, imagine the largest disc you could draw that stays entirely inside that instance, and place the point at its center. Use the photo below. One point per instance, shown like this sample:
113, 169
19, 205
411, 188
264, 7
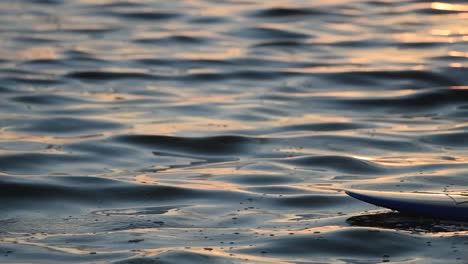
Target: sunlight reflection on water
229, 129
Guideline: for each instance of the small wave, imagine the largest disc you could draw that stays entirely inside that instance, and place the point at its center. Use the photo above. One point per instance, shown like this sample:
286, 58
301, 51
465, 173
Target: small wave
179, 256
34, 81
91, 191
257, 75
282, 44
414, 78
6, 90
46, 2
348, 243
92, 30
338, 163
180, 39
106, 76
143, 16
326, 127
433, 11
423, 99
67, 125
36, 40
288, 12
219, 145
269, 33
353, 144
47, 99
456, 140
36, 163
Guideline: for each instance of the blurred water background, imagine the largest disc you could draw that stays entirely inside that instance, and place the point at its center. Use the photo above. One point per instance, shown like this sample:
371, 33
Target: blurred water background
202, 131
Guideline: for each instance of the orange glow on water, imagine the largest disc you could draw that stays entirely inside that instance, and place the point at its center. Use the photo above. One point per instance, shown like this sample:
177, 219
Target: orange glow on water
38, 53
449, 7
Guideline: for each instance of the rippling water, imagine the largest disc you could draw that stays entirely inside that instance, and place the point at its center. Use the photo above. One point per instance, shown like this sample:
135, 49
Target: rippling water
224, 131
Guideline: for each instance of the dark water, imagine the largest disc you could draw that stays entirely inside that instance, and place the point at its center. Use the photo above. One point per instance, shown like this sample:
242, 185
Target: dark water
224, 131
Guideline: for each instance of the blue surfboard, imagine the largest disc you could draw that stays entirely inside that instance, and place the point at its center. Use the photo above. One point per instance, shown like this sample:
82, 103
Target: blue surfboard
437, 205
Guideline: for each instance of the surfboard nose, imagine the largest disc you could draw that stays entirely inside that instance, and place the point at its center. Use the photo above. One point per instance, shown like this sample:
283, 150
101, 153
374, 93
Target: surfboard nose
352, 194
361, 196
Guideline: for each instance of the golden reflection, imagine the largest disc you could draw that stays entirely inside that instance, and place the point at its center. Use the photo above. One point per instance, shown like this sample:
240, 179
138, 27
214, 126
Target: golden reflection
305, 231
217, 251
426, 159
145, 179
364, 94
449, 7
457, 65
213, 98
446, 234
57, 248
221, 169
454, 53
363, 158
462, 87
7, 135
310, 119
416, 37
449, 32
38, 53
441, 32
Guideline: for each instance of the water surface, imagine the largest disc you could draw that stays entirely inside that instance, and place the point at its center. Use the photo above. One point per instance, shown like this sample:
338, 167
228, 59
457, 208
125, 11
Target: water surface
225, 131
